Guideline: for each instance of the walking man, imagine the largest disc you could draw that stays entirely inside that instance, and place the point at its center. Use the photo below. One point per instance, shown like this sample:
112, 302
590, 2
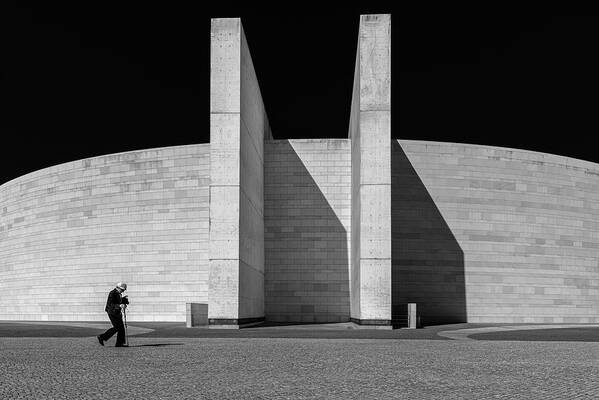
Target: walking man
113, 308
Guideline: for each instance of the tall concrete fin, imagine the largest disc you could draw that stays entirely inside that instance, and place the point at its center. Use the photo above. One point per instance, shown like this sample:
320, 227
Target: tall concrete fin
238, 128
370, 132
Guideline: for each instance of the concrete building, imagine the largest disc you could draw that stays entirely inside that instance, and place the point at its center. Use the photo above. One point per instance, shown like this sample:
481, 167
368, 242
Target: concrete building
327, 230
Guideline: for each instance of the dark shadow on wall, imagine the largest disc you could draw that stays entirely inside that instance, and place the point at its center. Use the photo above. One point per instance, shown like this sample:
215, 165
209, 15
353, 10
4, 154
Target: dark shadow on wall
428, 262
306, 276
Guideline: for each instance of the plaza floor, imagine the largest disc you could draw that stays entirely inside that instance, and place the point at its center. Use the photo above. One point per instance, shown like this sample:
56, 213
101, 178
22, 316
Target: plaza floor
66, 362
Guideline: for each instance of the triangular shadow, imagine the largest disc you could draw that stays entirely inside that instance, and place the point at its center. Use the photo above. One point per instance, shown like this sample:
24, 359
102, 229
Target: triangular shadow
428, 262
306, 277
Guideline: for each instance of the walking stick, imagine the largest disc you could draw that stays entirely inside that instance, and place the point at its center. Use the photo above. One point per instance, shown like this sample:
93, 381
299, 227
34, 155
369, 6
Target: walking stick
125, 315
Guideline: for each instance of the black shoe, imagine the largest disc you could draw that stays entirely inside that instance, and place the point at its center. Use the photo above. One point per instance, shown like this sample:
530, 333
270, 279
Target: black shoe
100, 340
121, 345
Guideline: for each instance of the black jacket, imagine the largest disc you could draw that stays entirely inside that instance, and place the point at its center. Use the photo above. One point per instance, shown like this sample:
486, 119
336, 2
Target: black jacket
113, 304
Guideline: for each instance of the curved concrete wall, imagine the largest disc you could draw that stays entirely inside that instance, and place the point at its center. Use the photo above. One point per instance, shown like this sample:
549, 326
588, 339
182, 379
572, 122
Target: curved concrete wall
68, 233
488, 234
479, 234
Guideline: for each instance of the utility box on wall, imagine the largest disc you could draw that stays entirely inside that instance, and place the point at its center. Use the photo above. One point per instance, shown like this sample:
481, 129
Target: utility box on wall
196, 314
412, 316
405, 316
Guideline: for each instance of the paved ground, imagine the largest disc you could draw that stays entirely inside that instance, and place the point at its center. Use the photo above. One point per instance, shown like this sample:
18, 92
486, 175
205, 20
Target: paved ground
537, 332
168, 361
178, 330
60, 329
213, 368
578, 334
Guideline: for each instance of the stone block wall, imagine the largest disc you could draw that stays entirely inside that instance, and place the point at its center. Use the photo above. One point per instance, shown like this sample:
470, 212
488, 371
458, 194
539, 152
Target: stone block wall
307, 212
479, 234
488, 234
68, 233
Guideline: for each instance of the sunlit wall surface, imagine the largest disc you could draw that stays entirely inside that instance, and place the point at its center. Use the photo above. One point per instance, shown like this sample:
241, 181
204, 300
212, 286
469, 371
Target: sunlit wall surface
69, 233
495, 234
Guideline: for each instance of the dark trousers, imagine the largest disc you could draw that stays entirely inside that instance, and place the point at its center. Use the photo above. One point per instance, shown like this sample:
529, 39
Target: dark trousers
117, 327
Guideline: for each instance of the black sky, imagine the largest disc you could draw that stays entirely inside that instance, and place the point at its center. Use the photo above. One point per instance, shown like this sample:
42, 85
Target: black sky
89, 79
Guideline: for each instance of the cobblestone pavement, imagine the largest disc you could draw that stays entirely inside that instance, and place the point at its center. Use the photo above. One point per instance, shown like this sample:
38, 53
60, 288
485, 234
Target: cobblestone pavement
186, 368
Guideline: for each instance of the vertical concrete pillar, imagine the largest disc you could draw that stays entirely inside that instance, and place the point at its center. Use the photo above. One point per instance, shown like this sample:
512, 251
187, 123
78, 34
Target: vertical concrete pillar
370, 131
238, 128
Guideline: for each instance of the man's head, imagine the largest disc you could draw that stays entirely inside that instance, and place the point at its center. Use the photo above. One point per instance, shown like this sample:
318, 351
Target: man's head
121, 286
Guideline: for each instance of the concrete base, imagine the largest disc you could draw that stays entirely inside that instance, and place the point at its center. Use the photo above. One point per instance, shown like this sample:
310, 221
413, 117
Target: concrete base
372, 323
